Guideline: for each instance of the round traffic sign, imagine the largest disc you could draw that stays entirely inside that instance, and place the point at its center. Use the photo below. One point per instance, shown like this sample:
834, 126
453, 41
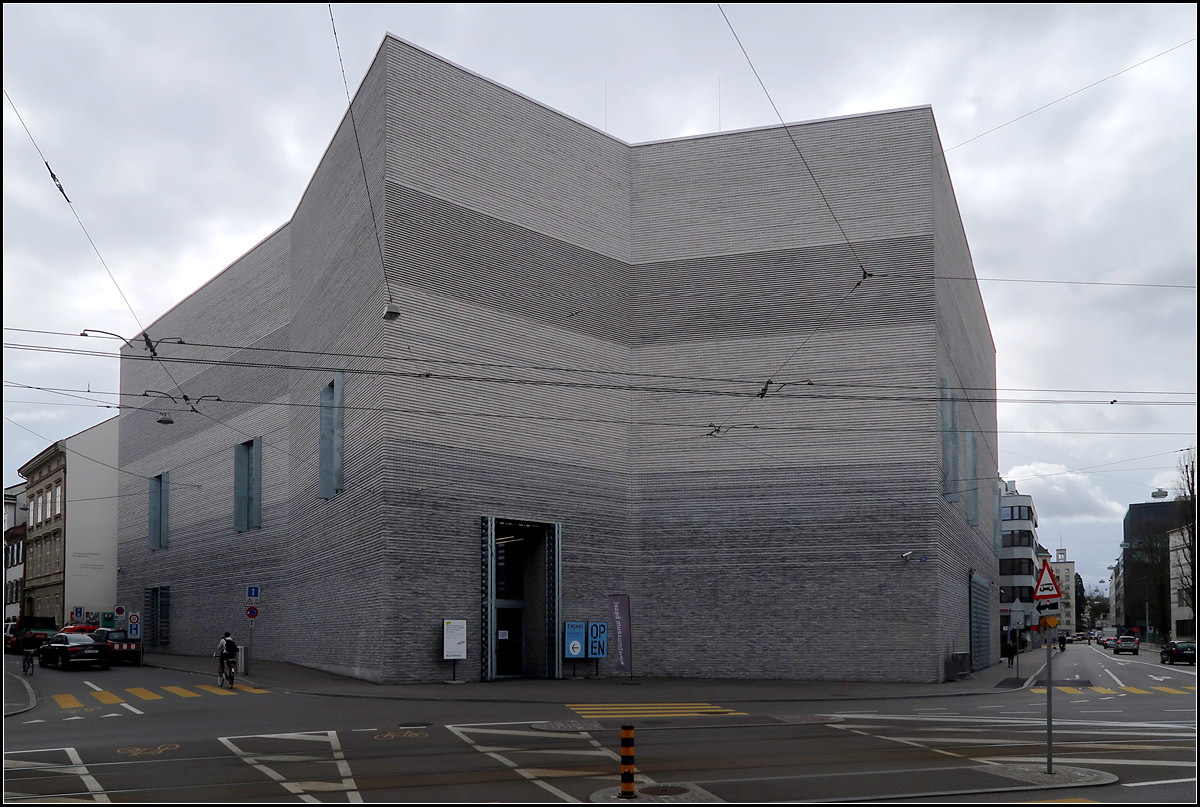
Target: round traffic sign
576, 648
252, 612
134, 619
119, 610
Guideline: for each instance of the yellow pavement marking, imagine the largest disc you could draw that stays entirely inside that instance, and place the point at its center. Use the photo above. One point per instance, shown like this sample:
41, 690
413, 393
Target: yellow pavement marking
1070, 690
245, 688
1105, 691
1038, 690
1136, 691
1168, 689
107, 697
181, 692
695, 709
67, 701
144, 694
214, 690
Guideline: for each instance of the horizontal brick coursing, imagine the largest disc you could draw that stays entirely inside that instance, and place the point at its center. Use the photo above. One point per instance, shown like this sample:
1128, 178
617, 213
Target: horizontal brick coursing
584, 330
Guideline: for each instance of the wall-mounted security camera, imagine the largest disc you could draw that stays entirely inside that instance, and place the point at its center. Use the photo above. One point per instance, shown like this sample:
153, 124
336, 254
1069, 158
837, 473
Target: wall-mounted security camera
906, 555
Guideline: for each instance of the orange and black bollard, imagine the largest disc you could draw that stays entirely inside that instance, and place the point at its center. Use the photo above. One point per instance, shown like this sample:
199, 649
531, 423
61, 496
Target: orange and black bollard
627, 791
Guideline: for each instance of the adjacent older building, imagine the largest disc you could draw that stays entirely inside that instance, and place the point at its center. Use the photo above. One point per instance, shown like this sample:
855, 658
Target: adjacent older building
1064, 574
70, 550
523, 366
15, 520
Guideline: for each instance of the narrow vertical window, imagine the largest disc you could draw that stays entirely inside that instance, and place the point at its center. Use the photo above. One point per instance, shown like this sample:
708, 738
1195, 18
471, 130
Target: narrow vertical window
159, 536
247, 485
972, 480
332, 439
58, 499
950, 480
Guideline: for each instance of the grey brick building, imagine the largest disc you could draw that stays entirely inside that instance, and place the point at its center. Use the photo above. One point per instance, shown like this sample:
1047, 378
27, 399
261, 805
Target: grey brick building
662, 369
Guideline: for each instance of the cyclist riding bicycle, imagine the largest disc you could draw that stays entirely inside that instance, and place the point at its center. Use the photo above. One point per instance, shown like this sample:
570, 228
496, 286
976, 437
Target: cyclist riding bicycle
226, 653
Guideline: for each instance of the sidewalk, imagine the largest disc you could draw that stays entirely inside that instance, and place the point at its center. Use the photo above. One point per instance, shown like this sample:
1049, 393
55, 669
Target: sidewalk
294, 678
19, 697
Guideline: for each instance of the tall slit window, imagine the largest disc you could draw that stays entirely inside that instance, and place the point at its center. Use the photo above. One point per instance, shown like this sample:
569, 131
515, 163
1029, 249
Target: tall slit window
158, 534
247, 484
332, 446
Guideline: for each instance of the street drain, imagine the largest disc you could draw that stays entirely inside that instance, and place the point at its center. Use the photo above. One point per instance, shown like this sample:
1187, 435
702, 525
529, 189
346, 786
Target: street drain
663, 790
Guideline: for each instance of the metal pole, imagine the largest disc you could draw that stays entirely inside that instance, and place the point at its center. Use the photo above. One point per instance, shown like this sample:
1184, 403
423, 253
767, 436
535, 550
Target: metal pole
1049, 706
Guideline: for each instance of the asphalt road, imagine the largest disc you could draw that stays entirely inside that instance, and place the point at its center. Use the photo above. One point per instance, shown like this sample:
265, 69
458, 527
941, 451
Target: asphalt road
153, 735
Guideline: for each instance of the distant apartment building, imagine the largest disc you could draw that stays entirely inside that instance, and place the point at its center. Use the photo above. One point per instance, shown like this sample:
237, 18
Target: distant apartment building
70, 551
1183, 580
1116, 597
1064, 574
1018, 560
15, 518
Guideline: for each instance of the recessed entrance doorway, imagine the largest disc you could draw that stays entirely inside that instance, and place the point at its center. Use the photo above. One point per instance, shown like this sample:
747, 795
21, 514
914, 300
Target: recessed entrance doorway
521, 588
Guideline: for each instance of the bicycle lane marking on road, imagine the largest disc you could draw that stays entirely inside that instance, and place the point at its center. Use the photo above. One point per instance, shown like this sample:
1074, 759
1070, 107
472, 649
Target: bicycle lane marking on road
281, 749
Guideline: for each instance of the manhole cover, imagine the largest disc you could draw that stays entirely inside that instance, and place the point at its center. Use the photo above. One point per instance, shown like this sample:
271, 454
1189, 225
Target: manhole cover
663, 790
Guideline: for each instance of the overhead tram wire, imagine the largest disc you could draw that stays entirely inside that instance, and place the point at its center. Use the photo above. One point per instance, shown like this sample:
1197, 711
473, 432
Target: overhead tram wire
643, 424
857, 259
150, 344
614, 387
670, 390
627, 373
361, 162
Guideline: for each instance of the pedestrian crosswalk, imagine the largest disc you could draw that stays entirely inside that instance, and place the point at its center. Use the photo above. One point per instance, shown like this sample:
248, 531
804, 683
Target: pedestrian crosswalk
136, 694
624, 711
1184, 690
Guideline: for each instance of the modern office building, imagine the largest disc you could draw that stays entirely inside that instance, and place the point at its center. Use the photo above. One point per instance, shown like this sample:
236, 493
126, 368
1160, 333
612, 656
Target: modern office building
1146, 565
1018, 563
70, 552
741, 378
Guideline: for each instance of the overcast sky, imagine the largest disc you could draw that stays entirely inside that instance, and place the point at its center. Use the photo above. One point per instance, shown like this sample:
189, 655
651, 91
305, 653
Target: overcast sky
184, 135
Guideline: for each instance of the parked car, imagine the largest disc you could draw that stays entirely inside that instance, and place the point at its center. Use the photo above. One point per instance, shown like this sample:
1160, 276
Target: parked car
120, 646
78, 628
1125, 644
1178, 651
28, 632
73, 648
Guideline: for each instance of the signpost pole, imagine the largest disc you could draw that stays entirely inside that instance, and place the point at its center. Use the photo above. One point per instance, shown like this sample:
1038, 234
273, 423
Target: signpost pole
1049, 707
1048, 597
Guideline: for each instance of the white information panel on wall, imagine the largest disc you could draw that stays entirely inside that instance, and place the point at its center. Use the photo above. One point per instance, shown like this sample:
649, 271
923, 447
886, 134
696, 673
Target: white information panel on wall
454, 639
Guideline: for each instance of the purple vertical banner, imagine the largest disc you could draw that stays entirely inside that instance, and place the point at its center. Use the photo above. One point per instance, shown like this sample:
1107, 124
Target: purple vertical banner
619, 604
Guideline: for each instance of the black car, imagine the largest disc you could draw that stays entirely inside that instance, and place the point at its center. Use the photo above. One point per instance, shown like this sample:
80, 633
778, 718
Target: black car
1178, 651
120, 646
65, 649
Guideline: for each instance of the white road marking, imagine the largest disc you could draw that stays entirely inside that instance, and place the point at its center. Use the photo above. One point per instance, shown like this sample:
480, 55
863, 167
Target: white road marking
133, 709
1113, 677
1160, 782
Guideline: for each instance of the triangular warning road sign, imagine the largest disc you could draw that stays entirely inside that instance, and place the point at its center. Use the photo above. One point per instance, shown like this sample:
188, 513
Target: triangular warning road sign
1047, 586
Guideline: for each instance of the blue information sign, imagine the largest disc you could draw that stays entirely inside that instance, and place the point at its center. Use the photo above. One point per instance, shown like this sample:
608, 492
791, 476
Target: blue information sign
574, 638
597, 640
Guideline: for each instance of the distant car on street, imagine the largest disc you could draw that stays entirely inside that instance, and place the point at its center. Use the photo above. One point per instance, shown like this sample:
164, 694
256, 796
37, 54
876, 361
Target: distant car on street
1109, 641
1125, 644
65, 649
1178, 651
